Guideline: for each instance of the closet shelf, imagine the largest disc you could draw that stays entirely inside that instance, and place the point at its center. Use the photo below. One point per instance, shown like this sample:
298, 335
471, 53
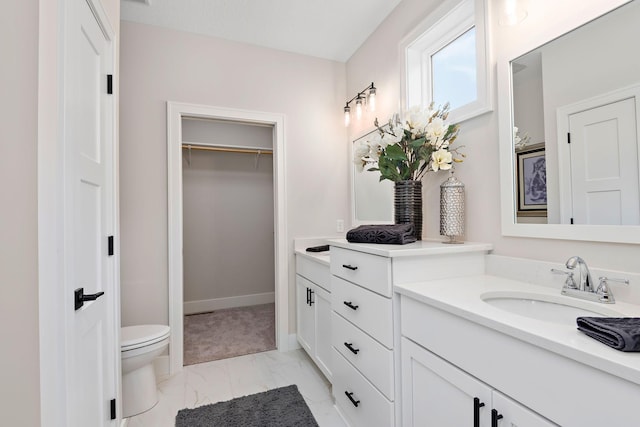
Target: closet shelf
228, 149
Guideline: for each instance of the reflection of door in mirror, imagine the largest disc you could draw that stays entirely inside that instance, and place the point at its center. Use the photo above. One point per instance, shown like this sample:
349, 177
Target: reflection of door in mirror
603, 160
591, 63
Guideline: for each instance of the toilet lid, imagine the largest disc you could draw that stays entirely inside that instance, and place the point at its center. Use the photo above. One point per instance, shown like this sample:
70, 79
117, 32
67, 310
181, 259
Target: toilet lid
140, 335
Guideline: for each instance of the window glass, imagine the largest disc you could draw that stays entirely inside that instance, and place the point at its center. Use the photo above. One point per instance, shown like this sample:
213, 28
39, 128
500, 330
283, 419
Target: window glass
454, 72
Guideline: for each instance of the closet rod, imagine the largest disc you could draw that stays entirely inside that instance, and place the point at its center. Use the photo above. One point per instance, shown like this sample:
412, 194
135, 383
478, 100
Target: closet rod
227, 149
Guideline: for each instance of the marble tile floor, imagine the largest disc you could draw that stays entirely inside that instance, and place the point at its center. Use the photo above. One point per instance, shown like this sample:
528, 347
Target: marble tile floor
226, 379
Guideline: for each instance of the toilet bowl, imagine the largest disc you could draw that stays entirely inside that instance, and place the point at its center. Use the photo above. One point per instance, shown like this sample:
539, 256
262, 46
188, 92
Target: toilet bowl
139, 345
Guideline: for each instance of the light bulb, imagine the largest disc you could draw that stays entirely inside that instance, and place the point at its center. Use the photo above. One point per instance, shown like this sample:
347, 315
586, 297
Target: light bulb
347, 115
513, 12
372, 99
359, 108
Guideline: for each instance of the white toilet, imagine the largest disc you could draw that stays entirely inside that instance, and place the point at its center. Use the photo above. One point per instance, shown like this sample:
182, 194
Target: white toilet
139, 345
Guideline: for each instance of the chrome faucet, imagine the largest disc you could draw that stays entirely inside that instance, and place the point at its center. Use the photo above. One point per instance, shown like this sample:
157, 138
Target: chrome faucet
584, 287
585, 283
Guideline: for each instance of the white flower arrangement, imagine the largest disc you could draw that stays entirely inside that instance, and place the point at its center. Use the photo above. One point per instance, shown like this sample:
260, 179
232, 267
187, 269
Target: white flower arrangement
408, 149
520, 140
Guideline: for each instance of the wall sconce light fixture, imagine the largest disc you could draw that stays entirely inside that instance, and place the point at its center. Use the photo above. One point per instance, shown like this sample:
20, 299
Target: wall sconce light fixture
513, 12
366, 97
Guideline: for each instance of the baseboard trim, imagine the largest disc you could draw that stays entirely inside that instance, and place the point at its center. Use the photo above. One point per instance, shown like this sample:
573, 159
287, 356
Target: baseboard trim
204, 306
293, 343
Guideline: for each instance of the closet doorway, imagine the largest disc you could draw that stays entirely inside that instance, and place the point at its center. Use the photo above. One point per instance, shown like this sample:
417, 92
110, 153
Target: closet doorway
226, 222
228, 250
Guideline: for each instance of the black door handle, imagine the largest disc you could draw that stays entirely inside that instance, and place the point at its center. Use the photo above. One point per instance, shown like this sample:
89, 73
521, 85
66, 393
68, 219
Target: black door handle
355, 402
311, 301
308, 296
79, 297
350, 347
350, 267
351, 306
495, 416
476, 411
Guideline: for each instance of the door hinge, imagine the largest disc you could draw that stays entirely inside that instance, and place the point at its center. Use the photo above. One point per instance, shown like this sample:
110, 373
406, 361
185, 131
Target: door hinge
110, 246
110, 84
568, 138
571, 220
113, 409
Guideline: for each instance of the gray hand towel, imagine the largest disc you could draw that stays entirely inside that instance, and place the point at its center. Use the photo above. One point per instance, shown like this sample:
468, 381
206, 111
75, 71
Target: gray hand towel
393, 234
621, 333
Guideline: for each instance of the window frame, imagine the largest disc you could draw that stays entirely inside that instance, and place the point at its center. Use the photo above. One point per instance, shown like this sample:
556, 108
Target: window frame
438, 30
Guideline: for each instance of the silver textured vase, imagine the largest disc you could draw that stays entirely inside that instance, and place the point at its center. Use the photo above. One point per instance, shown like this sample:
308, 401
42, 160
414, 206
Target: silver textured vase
452, 209
408, 204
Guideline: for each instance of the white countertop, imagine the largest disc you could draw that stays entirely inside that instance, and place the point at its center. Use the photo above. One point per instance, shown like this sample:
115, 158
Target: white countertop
422, 247
462, 297
321, 257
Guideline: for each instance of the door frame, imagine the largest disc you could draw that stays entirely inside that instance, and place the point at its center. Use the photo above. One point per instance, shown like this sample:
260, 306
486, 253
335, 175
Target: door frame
564, 154
53, 334
175, 112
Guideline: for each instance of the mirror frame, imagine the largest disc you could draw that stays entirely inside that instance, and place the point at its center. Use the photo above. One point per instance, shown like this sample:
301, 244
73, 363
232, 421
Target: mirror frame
595, 233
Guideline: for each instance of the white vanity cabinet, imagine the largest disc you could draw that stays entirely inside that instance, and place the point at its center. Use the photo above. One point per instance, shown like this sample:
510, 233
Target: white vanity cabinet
437, 394
366, 355
313, 310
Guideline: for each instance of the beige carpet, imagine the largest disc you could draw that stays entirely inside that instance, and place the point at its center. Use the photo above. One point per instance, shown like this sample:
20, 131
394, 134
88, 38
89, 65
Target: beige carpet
228, 333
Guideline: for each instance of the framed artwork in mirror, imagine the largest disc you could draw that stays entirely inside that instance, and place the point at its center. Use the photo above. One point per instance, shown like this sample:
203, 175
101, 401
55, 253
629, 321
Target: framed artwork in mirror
532, 180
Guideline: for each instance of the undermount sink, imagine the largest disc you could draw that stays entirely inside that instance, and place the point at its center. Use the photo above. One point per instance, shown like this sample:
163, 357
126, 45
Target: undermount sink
549, 308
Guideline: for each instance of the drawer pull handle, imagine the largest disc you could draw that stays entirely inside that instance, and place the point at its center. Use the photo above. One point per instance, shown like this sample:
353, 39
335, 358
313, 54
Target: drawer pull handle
311, 299
350, 267
476, 411
355, 402
350, 347
308, 295
351, 306
495, 416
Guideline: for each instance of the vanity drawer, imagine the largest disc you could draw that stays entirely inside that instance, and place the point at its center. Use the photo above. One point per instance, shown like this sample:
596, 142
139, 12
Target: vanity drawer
373, 408
369, 271
368, 356
368, 311
314, 271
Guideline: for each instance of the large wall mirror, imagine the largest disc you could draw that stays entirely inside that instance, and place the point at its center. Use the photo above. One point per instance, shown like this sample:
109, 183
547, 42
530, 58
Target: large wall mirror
569, 130
371, 199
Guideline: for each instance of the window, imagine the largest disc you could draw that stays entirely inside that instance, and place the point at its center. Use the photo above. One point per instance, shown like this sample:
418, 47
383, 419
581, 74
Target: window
446, 60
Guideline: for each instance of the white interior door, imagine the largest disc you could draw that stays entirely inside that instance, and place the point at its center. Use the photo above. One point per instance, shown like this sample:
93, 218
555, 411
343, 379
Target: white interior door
604, 165
89, 219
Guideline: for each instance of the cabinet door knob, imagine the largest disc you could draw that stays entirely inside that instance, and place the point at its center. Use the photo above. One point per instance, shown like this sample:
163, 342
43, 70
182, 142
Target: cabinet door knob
476, 411
349, 395
350, 267
495, 416
350, 347
350, 305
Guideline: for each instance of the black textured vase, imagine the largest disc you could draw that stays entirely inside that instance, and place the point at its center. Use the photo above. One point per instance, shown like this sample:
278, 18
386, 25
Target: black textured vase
408, 204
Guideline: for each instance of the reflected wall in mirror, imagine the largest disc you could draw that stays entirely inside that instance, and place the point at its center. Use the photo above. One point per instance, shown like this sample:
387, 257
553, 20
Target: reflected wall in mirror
371, 199
578, 97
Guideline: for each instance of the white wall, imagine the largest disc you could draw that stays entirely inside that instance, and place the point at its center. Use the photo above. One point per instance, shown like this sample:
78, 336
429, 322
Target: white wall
228, 216
19, 359
377, 61
158, 65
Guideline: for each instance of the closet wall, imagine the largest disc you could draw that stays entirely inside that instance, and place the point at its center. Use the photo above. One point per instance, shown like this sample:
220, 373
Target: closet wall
228, 219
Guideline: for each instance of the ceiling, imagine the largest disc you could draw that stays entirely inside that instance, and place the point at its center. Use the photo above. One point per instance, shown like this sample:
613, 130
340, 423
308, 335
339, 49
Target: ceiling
330, 29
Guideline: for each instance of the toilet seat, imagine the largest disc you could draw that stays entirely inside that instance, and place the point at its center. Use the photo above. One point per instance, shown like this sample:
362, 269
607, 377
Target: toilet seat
133, 337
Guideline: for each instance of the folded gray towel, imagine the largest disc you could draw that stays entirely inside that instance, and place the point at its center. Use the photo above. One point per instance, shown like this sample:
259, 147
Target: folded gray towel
621, 333
393, 234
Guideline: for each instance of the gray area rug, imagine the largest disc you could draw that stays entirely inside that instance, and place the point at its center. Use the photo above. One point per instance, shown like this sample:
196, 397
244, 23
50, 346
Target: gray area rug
280, 407
228, 333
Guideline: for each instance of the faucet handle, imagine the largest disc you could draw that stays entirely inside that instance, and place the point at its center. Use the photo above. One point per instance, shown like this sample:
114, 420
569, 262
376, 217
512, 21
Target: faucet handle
603, 290
570, 283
